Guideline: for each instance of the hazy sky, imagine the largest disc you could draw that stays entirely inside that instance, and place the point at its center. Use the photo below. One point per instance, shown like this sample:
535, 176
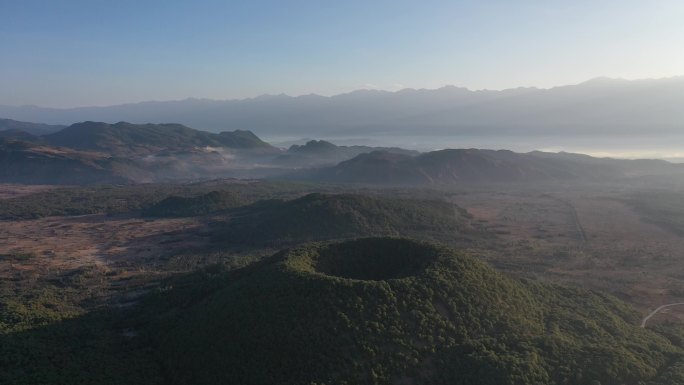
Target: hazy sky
99, 52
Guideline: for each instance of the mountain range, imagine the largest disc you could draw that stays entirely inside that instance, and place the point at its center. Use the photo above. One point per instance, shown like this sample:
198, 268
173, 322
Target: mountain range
599, 106
97, 152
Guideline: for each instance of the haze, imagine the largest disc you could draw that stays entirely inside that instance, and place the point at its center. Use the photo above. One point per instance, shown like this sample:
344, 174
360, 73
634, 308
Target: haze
83, 53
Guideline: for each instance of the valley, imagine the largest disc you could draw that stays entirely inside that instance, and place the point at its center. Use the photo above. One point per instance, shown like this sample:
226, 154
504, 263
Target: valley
546, 255
590, 238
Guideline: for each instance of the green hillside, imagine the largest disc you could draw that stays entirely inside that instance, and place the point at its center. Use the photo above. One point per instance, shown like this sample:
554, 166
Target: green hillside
368, 311
393, 311
337, 216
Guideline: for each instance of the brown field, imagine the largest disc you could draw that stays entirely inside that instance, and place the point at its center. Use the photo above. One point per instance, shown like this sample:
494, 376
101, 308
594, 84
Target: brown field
588, 237
68, 242
117, 253
584, 238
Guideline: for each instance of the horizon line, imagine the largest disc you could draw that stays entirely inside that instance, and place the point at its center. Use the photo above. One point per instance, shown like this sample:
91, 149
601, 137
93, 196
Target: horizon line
363, 89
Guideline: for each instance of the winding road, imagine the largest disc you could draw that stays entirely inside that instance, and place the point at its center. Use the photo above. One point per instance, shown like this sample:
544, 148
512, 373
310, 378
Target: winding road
654, 312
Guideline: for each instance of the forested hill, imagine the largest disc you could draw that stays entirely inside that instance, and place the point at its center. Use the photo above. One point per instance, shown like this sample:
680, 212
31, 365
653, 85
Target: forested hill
337, 216
124, 138
376, 311
212, 202
392, 311
476, 165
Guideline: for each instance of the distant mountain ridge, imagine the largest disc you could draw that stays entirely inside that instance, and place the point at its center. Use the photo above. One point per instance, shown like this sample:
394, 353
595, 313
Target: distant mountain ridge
600, 106
145, 152
27, 127
156, 151
474, 165
147, 138
96, 152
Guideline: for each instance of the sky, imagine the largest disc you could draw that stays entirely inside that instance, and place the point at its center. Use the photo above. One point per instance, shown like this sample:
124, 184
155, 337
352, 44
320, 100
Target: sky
66, 53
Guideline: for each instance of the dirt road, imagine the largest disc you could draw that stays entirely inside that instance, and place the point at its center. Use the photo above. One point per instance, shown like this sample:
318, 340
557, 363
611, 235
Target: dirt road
658, 309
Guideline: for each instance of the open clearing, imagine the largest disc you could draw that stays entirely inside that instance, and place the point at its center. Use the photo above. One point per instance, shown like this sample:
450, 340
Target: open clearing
56, 244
